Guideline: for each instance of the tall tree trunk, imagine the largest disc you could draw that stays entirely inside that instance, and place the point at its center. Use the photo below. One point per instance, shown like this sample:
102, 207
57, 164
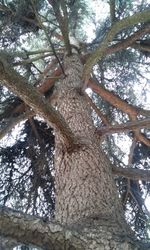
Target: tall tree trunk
85, 190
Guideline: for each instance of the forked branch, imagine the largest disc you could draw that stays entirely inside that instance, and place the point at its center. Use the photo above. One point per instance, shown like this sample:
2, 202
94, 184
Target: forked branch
17, 84
117, 27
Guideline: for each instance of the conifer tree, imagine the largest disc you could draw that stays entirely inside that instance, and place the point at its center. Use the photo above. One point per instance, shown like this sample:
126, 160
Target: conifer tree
67, 107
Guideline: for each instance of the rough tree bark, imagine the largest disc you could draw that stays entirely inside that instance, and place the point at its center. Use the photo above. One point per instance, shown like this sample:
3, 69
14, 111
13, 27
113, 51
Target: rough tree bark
86, 195
87, 203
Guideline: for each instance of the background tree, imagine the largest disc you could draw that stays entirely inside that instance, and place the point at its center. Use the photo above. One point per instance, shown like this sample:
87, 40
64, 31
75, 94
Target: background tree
34, 37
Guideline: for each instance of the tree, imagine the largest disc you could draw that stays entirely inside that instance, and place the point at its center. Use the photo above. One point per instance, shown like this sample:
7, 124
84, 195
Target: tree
89, 213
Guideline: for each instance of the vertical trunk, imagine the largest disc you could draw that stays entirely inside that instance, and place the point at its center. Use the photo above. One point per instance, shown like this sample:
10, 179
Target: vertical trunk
85, 189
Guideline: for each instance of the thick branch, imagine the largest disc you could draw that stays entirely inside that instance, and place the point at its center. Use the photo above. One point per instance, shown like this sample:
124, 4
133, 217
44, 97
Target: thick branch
64, 26
145, 123
117, 102
130, 41
47, 36
141, 47
31, 230
43, 88
47, 83
112, 98
117, 27
123, 44
11, 79
112, 11
132, 173
62, 20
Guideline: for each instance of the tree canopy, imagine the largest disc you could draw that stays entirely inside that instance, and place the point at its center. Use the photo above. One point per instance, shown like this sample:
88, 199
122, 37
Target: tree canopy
112, 38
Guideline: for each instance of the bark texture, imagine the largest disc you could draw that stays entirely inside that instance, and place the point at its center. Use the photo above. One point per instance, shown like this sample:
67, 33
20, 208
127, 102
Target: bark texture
51, 236
87, 203
84, 184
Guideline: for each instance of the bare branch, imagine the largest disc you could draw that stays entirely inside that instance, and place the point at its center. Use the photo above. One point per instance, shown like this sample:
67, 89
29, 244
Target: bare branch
62, 20
11, 79
113, 99
98, 112
130, 41
141, 47
132, 148
112, 11
117, 102
145, 123
117, 27
131, 173
43, 88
